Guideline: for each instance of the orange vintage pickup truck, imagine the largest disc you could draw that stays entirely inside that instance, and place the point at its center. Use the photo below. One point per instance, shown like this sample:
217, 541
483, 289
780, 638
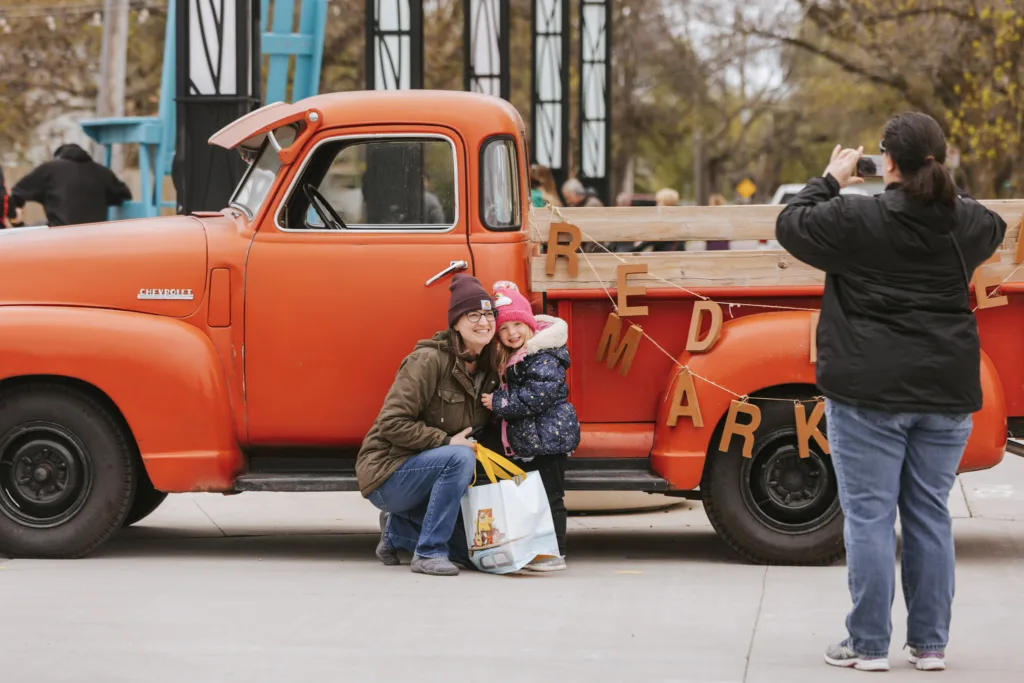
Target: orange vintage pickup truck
250, 349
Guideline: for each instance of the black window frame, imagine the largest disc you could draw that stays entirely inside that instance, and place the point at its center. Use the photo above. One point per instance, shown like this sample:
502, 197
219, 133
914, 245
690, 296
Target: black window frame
503, 137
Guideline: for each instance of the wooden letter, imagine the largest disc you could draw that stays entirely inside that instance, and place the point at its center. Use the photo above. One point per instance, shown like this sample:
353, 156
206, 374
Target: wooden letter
745, 430
609, 344
982, 281
625, 310
555, 249
814, 336
691, 409
806, 429
692, 343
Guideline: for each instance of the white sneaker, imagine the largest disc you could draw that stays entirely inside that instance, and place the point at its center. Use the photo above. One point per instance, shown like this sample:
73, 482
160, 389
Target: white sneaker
928, 661
843, 655
548, 564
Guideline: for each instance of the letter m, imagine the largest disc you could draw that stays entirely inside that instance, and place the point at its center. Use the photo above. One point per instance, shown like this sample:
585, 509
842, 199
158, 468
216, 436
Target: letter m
614, 350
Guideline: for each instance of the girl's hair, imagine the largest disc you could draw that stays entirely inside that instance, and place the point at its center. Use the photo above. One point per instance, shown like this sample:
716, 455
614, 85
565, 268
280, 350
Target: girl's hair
916, 143
501, 356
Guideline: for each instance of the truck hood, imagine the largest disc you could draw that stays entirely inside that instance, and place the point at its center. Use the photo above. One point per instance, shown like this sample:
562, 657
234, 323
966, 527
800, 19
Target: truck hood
150, 265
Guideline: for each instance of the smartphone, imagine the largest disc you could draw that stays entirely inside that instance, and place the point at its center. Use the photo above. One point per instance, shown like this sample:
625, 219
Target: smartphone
870, 166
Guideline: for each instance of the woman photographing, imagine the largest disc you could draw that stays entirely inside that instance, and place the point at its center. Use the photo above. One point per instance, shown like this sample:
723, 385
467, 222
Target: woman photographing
899, 364
417, 460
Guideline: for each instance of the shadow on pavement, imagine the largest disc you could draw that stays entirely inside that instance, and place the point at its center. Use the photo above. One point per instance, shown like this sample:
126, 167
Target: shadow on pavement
691, 545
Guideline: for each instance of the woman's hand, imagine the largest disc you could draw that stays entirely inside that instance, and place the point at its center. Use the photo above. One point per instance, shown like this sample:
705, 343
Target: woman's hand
487, 400
843, 166
462, 438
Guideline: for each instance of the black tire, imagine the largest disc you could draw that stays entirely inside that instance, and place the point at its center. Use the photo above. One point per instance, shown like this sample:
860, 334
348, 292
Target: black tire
147, 499
775, 508
66, 472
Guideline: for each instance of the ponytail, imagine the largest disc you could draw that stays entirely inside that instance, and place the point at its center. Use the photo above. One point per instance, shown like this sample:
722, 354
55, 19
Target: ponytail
931, 184
917, 146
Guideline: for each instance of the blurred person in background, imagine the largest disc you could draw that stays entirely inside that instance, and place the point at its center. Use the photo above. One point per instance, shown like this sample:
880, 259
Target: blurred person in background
71, 187
543, 190
899, 365
666, 196
717, 245
576, 195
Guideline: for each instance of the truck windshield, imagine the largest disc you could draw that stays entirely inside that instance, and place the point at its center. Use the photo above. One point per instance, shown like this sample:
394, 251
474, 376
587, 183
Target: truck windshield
263, 168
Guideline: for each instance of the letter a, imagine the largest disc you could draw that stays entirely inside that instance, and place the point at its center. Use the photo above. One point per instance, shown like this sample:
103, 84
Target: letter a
555, 249
691, 409
806, 429
732, 427
609, 344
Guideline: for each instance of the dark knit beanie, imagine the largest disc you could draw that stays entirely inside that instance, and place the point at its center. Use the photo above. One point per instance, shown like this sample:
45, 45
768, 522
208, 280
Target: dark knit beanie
467, 295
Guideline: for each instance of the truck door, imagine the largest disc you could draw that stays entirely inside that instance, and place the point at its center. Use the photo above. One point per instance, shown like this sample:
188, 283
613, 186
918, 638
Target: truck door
348, 275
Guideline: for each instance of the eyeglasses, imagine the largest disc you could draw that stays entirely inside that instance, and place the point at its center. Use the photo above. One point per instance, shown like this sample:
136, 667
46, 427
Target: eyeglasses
474, 316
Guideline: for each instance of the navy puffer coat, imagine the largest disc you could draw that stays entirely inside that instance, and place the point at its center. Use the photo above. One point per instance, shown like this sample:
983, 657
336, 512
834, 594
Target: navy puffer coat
533, 400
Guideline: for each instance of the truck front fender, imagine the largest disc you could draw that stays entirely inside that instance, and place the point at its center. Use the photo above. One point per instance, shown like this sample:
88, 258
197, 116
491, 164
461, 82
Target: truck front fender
766, 350
164, 376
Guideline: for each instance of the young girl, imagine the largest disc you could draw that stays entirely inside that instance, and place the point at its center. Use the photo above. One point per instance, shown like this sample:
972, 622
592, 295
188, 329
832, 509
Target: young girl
539, 426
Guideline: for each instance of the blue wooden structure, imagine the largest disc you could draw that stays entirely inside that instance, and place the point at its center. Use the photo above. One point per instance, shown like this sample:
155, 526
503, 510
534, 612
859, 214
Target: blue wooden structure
155, 135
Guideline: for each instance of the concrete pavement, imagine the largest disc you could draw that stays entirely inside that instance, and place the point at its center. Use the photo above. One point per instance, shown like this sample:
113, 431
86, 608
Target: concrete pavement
282, 587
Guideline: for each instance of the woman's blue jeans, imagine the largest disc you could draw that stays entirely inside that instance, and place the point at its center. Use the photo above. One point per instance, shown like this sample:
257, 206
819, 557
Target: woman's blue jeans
423, 498
884, 462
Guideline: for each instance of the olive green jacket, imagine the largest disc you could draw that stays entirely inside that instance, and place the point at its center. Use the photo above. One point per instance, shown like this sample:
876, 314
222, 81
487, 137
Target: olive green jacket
432, 399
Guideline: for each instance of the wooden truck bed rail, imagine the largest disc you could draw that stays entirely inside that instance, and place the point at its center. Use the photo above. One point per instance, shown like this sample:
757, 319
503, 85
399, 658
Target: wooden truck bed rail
701, 270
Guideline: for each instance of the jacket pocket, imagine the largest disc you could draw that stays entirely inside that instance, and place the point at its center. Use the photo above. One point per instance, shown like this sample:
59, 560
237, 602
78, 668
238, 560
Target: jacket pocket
453, 410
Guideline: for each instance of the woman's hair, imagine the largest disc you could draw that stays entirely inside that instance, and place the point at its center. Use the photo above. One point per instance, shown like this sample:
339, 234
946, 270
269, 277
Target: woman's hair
917, 146
542, 177
459, 347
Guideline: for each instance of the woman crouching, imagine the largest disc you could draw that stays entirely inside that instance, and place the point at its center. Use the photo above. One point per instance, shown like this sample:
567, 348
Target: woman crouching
417, 460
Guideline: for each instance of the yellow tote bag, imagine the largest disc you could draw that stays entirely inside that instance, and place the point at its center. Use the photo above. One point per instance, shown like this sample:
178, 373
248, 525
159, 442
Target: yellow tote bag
498, 467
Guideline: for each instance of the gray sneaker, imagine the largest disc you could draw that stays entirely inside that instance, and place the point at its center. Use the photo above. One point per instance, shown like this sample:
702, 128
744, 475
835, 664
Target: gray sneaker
385, 553
928, 660
843, 655
548, 564
434, 566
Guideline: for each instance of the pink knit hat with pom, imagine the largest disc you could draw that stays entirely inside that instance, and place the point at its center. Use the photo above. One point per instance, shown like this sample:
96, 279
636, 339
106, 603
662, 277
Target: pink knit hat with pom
511, 305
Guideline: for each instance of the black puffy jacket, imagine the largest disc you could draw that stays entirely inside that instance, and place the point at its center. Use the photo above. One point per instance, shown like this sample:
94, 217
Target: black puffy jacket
896, 331
533, 400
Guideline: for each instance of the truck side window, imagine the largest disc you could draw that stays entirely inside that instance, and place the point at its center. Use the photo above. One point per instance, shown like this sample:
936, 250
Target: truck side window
499, 182
380, 184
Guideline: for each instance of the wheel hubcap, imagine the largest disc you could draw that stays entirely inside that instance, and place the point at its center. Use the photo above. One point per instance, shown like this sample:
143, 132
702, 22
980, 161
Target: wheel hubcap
788, 493
45, 475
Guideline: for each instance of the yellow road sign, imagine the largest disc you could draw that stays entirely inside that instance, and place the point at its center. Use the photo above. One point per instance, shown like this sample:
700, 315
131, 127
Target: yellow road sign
746, 188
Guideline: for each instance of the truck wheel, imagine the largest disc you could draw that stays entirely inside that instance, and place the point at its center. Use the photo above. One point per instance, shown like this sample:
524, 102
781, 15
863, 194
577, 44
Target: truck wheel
66, 474
774, 507
147, 499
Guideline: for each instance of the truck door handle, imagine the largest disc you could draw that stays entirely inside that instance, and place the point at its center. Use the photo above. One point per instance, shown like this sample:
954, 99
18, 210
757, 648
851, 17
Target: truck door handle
452, 267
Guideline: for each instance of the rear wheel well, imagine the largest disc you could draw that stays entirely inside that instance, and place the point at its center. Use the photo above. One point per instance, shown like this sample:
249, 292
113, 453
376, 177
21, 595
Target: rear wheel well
793, 391
93, 392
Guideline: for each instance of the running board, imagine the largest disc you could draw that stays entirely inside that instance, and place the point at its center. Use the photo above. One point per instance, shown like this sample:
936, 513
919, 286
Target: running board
594, 474
1015, 447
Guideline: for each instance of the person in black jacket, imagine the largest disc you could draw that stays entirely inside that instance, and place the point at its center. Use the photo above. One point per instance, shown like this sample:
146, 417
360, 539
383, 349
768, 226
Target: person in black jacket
899, 365
71, 187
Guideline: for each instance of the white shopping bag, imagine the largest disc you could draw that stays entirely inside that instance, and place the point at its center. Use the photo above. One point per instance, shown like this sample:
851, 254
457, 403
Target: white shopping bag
508, 522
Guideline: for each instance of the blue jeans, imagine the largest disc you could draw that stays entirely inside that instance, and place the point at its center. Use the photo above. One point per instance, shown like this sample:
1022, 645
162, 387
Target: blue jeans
885, 461
423, 499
